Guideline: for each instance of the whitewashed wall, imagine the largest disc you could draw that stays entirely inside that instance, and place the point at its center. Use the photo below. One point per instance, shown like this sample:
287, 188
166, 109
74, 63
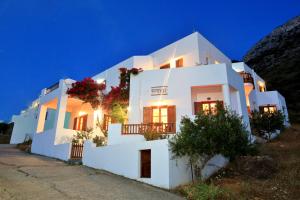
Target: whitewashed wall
270, 97
124, 159
43, 144
24, 124
55, 142
179, 82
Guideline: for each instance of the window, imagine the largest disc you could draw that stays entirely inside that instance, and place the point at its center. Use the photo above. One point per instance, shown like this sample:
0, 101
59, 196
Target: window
107, 120
179, 62
206, 106
80, 123
160, 114
268, 108
262, 88
165, 66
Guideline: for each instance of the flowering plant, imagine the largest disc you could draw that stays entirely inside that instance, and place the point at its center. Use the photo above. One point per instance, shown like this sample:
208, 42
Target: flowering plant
120, 93
87, 90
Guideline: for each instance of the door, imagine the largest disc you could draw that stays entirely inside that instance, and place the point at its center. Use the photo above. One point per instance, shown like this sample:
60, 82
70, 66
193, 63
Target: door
146, 163
80, 123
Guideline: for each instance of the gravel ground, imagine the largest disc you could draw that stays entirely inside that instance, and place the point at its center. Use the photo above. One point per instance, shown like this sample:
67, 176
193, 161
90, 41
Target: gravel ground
26, 176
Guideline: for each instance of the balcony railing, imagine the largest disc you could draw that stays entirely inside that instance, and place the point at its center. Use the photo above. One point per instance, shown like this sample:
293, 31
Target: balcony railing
247, 77
163, 128
52, 87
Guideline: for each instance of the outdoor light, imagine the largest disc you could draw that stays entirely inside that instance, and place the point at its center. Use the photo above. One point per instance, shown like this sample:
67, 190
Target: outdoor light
81, 113
101, 80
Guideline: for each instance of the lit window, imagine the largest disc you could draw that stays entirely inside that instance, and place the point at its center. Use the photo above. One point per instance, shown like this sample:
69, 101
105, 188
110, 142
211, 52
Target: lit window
206, 106
160, 115
165, 66
261, 86
155, 115
164, 115
268, 108
179, 62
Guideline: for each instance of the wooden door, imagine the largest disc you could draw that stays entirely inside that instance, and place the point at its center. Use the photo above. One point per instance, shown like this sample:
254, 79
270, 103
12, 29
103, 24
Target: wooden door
146, 163
80, 123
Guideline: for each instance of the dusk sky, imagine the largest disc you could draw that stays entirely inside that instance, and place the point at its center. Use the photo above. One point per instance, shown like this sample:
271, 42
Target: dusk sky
42, 41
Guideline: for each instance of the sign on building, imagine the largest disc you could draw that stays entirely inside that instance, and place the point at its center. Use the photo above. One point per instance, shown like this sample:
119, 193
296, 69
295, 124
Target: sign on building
159, 90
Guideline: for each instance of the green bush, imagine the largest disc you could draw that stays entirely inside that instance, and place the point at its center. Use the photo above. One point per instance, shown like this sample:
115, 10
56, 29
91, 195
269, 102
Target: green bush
81, 136
154, 135
119, 112
209, 134
99, 141
264, 124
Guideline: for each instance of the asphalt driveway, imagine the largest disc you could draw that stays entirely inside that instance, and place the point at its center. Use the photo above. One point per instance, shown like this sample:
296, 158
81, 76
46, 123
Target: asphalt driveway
26, 176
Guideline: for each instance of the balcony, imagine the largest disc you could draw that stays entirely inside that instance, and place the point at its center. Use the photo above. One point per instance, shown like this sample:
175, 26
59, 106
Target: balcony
52, 88
163, 128
247, 77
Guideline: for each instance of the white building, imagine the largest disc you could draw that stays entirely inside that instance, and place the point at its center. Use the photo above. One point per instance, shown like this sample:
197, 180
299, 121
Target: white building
177, 80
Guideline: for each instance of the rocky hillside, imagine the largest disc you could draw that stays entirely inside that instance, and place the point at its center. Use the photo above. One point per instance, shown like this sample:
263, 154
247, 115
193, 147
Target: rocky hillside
276, 58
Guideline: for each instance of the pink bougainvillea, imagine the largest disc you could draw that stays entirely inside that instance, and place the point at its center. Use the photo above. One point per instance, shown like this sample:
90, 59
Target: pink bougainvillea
87, 90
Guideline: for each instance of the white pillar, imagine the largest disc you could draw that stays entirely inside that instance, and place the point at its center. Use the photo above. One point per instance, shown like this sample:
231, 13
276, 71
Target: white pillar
238, 97
41, 119
60, 111
226, 95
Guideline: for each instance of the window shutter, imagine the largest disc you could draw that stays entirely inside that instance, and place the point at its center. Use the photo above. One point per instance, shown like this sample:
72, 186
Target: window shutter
197, 107
147, 115
171, 114
84, 123
179, 62
75, 124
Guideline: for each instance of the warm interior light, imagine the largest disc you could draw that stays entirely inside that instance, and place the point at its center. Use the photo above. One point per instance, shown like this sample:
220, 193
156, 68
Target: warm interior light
128, 108
98, 115
81, 113
217, 62
260, 83
158, 103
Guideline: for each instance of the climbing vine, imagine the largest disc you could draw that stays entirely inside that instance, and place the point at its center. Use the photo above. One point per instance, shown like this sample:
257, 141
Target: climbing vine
115, 102
89, 91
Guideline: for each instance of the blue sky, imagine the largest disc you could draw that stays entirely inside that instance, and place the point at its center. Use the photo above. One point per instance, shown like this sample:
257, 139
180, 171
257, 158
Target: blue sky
42, 41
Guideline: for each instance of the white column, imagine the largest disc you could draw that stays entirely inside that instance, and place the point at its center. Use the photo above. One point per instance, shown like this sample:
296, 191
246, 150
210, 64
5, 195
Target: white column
238, 97
41, 119
60, 111
226, 95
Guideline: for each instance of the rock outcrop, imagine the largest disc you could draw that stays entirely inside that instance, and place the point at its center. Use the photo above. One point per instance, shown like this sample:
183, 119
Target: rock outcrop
276, 58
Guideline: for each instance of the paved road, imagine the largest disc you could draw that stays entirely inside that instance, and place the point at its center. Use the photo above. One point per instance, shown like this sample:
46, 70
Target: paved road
25, 176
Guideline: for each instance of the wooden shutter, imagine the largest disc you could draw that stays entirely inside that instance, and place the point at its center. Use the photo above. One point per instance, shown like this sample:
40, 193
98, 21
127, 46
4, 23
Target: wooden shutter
147, 115
75, 123
84, 123
179, 62
197, 107
171, 114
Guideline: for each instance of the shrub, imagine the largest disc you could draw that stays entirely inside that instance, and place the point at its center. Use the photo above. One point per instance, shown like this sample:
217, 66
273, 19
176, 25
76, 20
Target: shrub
154, 135
264, 124
222, 132
99, 141
81, 136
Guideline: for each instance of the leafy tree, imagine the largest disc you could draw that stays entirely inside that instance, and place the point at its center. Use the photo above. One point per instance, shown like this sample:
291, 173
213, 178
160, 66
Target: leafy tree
263, 124
221, 132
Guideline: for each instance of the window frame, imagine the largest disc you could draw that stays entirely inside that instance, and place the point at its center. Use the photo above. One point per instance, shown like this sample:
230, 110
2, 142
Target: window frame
199, 104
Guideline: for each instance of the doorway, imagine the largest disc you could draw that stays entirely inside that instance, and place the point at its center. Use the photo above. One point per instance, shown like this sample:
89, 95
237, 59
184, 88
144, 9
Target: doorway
146, 163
